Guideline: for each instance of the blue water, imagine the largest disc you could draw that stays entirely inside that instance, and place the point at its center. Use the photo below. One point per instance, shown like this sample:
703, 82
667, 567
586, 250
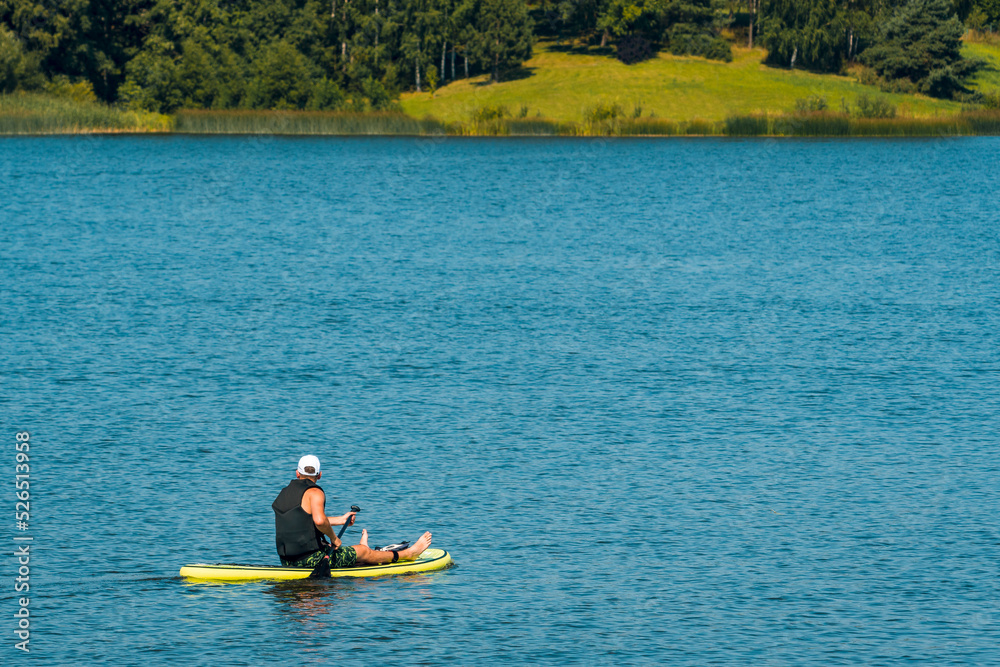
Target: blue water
699, 402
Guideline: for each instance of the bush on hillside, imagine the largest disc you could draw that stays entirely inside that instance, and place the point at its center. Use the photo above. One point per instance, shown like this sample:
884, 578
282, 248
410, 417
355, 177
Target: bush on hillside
634, 48
868, 106
685, 39
811, 104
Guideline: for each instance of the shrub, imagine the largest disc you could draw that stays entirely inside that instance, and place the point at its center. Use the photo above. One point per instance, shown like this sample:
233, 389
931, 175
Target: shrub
634, 48
432, 78
488, 113
490, 120
686, 39
603, 111
868, 106
901, 86
603, 118
78, 91
811, 104
868, 77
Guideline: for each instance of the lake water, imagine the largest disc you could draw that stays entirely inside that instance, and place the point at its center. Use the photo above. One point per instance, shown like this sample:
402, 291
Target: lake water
686, 401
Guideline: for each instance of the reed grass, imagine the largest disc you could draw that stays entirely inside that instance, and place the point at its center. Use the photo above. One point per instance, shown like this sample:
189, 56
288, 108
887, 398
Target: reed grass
824, 124
303, 122
533, 127
699, 127
649, 127
33, 113
747, 126
983, 122
816, 124
631, 127
496, 121
36, 113
909, 127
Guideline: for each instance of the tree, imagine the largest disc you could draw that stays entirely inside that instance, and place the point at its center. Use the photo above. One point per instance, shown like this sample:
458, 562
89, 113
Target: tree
690, 30
423, 30
922, 43
75, 38
151, 80
464, 22
18, 70
980, 14
581, 17
628, 17
168, 54
282, 78
503, 35
804, 33
686, 27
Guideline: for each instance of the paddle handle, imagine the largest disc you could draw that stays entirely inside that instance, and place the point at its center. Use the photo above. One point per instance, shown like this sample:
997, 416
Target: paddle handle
355, 509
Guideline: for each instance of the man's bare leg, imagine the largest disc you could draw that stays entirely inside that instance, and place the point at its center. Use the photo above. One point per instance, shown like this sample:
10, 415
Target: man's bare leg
367, 556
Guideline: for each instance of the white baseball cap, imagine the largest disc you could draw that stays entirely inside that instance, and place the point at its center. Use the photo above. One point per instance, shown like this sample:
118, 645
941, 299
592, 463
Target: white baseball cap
309, 465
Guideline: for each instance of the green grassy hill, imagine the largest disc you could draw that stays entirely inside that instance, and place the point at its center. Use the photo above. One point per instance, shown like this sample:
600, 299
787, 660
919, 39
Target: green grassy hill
561, 83
988, 51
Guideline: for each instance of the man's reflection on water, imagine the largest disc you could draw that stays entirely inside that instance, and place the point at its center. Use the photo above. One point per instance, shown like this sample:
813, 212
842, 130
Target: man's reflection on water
307, 601
318, 602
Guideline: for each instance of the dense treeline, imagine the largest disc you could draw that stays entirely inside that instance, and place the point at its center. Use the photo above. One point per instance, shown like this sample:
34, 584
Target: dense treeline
681, 26
309, 54
911, 45
259, 54
359, 54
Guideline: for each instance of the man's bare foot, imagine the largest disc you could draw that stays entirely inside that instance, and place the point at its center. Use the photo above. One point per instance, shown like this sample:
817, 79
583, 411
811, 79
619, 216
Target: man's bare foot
415, 550
364, 537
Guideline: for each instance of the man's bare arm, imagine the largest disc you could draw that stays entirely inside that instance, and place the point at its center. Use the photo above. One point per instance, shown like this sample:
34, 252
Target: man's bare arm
317, 504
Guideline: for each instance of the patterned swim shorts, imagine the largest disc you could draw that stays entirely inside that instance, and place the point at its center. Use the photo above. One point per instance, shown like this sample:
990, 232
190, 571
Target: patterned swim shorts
339, 558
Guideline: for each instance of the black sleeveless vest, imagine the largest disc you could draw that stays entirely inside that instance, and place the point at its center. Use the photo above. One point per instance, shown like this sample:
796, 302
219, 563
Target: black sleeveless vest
295, 533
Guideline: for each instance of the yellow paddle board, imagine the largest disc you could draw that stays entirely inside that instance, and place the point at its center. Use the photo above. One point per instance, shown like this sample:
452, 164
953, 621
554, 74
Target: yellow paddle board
431, 559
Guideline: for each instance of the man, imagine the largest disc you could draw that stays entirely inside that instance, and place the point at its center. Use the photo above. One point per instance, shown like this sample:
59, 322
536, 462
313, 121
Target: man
300, 524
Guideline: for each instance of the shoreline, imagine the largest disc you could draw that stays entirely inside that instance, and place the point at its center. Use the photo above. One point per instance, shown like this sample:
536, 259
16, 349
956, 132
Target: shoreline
37, 115
580, 94
980, 124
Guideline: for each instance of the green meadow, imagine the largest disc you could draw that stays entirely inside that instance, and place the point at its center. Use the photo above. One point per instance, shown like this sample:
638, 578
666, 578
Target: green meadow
561, 84
987, 50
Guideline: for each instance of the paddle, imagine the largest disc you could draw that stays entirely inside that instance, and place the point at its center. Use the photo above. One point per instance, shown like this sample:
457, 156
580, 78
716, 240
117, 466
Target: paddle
355, 509
322, 569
